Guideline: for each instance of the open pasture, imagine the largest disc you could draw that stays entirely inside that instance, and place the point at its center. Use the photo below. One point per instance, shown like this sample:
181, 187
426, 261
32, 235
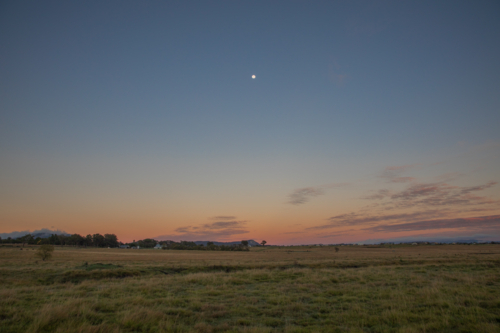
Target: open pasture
398, 288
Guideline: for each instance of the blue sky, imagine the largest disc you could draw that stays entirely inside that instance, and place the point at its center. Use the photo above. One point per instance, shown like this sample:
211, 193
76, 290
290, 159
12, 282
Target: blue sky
146, 112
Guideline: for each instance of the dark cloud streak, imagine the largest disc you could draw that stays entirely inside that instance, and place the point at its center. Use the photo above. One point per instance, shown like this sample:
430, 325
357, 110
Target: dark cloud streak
303, 195
468, 223
223, 217
354, 219
208, 231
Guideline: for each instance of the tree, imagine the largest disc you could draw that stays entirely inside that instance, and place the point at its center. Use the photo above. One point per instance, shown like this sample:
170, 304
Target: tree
147, 243
28, 238
98, 240
88, 240
45, 251
244, 242
111, 240
63, 239
76, 240
54, 239
263, 243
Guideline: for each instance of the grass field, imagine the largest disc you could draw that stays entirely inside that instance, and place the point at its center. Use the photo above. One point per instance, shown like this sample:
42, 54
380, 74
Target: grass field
425, 288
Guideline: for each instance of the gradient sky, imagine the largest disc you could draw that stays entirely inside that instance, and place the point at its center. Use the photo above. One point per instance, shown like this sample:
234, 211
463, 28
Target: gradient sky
366, 120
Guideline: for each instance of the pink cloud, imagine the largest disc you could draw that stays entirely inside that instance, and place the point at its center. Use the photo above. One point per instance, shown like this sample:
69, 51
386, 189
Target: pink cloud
220, 230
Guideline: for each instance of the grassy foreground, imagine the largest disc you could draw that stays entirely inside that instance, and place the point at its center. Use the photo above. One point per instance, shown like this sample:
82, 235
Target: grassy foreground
449, 288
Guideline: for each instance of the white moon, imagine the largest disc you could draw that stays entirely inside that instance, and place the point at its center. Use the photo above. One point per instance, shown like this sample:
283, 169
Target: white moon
253, 76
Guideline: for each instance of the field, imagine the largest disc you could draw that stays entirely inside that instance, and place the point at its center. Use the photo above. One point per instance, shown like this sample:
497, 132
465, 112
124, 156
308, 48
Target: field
399, 288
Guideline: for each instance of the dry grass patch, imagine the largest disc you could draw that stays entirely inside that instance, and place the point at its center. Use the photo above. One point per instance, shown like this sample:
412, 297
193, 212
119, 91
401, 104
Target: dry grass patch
315, 289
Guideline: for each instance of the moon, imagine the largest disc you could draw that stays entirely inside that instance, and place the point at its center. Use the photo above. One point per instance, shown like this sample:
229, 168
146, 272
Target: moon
253, 76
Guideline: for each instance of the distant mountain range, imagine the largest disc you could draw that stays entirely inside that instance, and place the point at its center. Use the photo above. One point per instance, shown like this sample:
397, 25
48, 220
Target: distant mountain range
42, 233
251, 242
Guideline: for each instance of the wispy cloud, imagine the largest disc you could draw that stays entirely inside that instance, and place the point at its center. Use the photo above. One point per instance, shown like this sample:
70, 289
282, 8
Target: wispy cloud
303, 195
471, 223
403, 179
356, 219
410, 205
441, 194
393, 173
448, 177
381, 194
223, 217
220, 230
223, 225
416, 203
438, 193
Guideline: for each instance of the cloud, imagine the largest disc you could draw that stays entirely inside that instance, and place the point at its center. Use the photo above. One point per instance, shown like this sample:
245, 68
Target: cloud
471, 223
441, 194
423, 190
223, 217
418, 206
355, 219
223, 225
477, 188
448, 177
393, 173
220, 230
378, 196
403, 179
303, 195
437, 193
432, 206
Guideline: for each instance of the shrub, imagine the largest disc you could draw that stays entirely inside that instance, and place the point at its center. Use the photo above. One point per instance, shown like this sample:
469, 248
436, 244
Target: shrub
45, 251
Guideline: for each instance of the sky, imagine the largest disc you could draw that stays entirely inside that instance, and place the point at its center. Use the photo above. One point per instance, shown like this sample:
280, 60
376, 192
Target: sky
365, 121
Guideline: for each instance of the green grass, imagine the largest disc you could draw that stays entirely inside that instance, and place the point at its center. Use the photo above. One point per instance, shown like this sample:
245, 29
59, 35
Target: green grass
186, 293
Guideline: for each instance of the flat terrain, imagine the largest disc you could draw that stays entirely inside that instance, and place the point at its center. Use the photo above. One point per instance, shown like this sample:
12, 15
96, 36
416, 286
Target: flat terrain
399, 288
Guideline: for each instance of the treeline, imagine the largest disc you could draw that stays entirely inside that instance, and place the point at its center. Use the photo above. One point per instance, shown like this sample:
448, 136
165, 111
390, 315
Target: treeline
147, 243
110, 240
96, 240
183, 245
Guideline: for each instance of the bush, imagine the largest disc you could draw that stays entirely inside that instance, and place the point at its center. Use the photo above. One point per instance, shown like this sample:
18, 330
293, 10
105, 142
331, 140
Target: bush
45, 251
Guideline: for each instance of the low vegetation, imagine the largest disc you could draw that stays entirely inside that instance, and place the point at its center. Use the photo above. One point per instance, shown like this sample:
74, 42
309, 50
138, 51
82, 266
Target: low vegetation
44, 252
449, 288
